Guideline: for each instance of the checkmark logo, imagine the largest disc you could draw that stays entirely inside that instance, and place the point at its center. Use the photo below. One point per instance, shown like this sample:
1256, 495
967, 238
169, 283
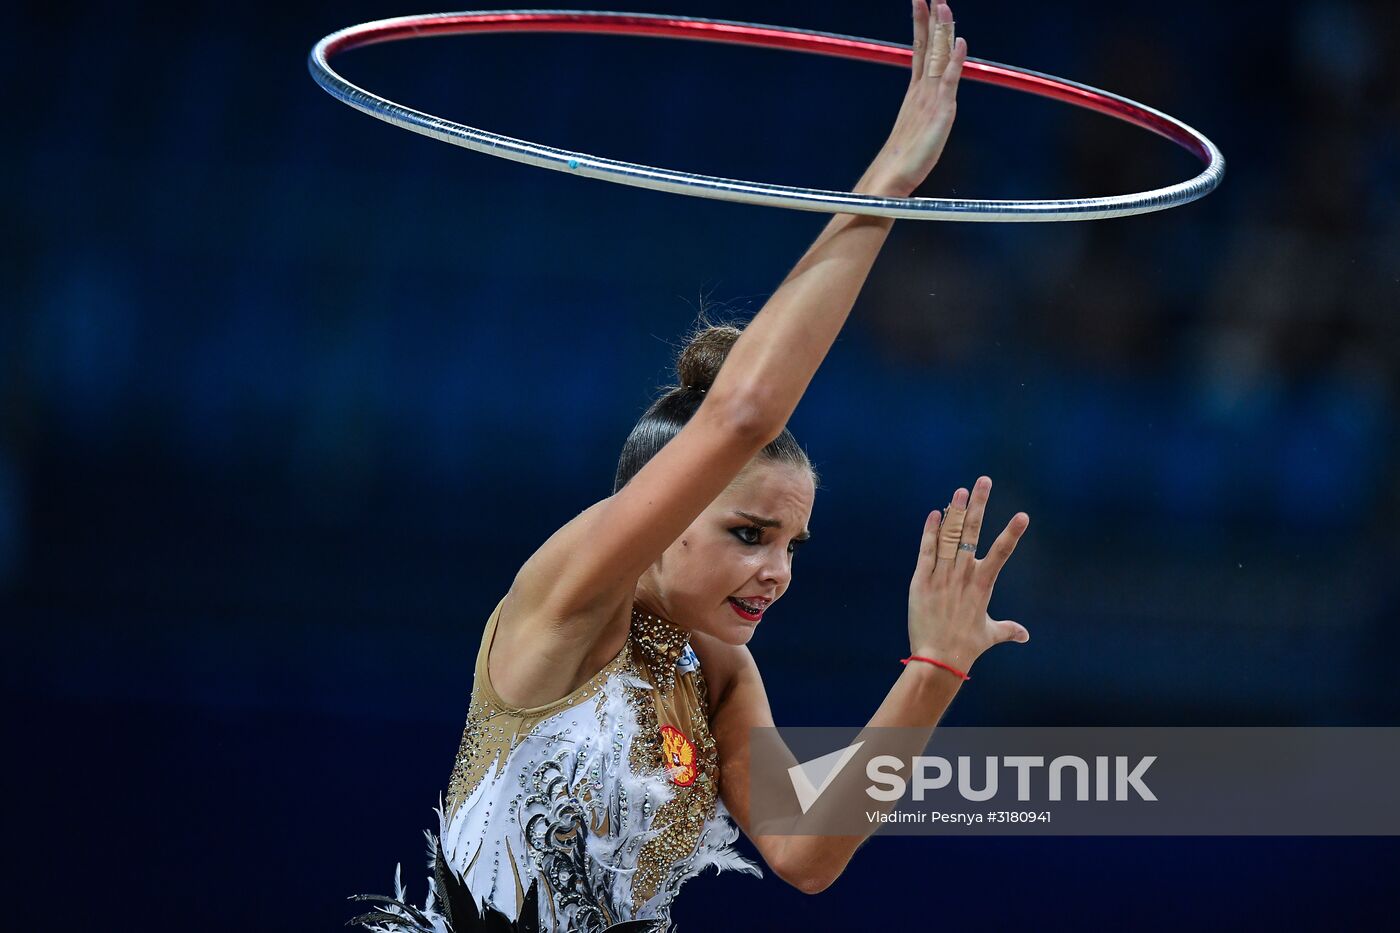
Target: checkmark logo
811, 778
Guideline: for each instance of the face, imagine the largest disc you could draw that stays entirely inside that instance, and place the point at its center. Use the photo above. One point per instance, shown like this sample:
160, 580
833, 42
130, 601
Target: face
724, 554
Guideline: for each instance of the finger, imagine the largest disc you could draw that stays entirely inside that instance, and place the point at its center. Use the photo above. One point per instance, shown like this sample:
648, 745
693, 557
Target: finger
951, 532
948, 89
940, 43
1005, 543
1007, 630
972, 523
928, 546
921, 16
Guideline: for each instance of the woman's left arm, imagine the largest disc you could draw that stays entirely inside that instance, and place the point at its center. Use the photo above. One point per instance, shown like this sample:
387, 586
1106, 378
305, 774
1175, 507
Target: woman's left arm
948, 599
811, 863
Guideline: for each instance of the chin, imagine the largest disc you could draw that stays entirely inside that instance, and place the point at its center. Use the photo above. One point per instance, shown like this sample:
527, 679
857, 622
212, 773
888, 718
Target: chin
735, 634
739, 633
742, 635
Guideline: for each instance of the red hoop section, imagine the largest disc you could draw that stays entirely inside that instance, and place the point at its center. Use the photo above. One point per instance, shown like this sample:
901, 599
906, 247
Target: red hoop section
764, 37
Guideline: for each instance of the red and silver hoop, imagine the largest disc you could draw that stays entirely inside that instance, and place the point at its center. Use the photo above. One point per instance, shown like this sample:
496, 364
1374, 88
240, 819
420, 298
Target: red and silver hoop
748, 192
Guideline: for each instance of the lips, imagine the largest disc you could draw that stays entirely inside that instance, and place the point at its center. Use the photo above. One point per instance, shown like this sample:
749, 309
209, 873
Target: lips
751, 612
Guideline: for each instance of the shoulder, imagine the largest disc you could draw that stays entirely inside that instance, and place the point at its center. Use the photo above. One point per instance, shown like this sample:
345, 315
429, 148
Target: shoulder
723, 666
533, 591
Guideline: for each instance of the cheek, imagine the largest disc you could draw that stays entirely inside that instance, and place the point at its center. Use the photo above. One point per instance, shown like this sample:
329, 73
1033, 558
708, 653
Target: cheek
712, 565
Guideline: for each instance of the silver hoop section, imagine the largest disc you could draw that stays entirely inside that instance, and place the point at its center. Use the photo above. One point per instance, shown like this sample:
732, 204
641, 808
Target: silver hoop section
748, 192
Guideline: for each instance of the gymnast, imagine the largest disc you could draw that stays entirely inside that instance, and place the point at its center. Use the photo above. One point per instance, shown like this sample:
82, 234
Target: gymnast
605, 758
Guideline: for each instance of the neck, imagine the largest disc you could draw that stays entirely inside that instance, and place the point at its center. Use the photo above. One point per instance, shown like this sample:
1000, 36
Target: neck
659, 641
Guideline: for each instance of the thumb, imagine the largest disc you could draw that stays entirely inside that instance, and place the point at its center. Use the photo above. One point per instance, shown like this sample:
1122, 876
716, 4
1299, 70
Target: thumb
1013, 631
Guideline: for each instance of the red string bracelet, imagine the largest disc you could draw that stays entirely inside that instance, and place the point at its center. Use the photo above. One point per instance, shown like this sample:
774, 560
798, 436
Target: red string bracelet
946, 667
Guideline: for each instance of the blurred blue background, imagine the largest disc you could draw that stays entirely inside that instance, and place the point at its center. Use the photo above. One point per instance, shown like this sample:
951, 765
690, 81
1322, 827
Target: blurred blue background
287, 395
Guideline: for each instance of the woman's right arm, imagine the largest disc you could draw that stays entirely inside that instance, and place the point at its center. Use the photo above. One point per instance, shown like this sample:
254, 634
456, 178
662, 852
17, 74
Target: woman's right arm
590, 567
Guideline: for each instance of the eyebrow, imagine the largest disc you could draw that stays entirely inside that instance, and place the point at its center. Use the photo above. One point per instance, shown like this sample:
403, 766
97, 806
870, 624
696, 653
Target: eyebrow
772, 523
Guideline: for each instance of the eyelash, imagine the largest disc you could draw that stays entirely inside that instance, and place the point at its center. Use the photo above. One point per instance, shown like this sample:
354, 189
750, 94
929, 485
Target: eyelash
738, 533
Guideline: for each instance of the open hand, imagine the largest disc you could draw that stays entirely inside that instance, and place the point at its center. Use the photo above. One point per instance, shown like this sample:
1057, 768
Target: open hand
951, 589
926, 116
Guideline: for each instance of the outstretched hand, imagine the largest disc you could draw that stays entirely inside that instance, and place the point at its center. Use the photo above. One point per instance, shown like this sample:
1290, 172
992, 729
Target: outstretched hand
930, 104
952, 588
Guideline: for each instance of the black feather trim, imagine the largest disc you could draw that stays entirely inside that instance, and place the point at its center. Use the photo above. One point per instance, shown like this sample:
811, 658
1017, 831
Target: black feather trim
460, 905
458, 902
463, 915
393, 921
415, 921
529, 919
637, 926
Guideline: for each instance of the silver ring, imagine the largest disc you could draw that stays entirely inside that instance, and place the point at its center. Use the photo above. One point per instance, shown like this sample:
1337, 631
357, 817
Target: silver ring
970, 548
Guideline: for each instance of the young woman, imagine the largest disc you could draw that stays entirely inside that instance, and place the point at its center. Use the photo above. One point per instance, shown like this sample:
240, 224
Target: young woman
605, 750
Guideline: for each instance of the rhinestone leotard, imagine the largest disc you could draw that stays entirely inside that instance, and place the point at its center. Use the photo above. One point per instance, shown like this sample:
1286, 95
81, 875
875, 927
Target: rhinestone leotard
608, 797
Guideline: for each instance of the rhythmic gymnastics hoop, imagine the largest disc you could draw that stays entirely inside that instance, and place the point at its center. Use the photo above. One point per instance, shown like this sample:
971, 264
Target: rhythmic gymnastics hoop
748, 192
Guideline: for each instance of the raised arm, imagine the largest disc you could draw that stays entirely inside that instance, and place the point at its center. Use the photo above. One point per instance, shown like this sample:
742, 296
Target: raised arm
772, 364
579, 579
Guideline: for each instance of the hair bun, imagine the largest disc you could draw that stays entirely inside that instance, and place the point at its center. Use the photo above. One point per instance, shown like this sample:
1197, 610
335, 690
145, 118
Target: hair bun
702, 357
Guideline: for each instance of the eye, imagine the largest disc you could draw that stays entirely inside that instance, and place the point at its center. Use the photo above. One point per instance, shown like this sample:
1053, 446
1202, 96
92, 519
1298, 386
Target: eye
757, 532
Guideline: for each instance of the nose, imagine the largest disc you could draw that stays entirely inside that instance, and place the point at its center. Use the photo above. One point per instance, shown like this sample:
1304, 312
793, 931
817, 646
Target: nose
776, 570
